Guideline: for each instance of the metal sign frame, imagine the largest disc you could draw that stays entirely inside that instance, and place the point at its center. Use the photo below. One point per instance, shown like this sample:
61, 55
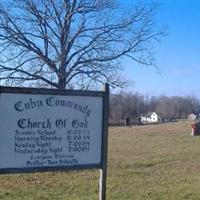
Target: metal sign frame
101, 94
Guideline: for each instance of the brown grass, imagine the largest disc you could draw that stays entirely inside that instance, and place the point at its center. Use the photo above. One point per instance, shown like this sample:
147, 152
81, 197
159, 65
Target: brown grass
151, 162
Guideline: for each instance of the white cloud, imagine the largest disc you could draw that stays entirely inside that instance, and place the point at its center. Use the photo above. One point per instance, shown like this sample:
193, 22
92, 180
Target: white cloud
183, 71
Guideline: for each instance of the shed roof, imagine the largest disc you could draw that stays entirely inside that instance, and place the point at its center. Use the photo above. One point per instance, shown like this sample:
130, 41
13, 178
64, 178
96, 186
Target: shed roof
149, 114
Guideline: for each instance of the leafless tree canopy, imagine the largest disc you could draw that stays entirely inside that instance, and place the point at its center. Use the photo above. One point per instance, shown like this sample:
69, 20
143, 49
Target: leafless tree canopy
134, 104
79, 43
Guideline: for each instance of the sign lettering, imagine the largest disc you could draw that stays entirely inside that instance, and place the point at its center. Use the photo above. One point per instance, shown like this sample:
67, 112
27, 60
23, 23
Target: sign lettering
50, 131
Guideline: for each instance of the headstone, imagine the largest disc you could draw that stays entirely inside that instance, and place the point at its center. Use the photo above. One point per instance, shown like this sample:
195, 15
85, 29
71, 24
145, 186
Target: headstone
195, 128
127, 121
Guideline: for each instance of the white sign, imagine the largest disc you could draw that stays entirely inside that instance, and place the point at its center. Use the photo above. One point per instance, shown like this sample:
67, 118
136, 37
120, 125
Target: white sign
44, 131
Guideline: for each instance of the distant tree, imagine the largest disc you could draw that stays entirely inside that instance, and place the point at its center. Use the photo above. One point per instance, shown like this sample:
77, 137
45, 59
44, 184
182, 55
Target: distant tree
194, 105
116, 106
78, 43
126, 105
134, 104
165, 107
177, 107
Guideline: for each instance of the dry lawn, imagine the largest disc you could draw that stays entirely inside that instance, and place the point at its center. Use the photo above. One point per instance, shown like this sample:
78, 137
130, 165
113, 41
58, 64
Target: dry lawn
157, 162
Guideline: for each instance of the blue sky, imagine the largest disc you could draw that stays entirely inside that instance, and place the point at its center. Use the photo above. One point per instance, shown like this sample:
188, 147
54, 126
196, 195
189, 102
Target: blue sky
178, 54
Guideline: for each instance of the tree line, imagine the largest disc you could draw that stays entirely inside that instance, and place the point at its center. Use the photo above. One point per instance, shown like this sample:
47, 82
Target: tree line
134, 105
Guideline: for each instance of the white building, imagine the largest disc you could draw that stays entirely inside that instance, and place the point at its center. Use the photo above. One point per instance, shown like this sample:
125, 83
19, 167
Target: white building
192, 116
150, 117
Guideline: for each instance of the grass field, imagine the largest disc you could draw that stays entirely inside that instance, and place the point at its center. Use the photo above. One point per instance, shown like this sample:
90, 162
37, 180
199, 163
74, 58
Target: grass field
158, 162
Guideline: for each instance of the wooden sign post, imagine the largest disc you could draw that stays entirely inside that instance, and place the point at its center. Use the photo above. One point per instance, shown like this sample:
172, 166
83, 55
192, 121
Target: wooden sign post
48, 130
103, 170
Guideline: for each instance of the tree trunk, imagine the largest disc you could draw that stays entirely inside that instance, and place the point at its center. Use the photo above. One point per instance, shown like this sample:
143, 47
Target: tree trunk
62, 83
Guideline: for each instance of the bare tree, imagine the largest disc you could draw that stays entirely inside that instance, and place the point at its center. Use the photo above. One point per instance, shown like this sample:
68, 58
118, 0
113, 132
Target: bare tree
134, 104
79, 43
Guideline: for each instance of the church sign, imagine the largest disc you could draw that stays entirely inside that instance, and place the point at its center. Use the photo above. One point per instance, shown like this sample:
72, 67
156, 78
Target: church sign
45, 129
